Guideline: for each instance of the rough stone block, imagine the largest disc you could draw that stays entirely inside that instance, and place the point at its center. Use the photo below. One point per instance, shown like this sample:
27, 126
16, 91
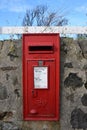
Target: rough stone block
3, 92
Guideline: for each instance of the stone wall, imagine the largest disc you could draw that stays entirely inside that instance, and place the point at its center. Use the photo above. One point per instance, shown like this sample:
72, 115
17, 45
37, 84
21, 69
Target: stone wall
73, 84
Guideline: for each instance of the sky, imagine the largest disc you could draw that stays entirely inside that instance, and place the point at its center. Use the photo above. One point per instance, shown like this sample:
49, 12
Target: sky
13, 11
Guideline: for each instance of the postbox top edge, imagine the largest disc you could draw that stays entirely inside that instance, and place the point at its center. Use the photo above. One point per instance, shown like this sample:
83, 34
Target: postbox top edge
40, 34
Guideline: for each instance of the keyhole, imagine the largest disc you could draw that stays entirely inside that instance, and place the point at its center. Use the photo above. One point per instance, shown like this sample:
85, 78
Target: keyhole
34, 93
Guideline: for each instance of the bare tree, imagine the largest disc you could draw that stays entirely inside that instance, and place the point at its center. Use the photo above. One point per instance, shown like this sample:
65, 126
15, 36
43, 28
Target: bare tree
39, 16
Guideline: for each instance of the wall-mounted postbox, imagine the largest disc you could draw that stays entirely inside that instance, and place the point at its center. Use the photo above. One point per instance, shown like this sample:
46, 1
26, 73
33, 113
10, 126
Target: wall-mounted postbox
41, 72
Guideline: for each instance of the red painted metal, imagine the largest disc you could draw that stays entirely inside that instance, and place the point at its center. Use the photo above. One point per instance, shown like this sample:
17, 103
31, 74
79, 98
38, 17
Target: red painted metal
41, 52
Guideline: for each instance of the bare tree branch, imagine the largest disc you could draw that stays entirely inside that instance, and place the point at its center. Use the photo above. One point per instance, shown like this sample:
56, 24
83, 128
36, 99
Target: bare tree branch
39, 16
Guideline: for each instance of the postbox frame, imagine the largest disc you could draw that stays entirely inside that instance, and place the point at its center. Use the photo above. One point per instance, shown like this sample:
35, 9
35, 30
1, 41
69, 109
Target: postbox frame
25, 117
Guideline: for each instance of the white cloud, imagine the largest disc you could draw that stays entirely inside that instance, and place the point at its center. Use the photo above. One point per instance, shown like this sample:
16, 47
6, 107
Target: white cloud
14, 5
82, 8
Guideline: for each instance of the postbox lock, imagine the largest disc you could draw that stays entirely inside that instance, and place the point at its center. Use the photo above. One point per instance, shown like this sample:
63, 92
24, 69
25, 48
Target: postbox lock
34, 93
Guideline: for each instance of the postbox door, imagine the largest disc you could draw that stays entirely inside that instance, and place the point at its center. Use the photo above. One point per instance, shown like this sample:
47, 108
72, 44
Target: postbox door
41, 95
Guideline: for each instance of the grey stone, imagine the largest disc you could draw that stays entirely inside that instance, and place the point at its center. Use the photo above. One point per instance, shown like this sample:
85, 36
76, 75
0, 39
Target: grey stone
7, 76
86, 85
17, 92
3, 92
5, 114
7, 68
1, 125
70, 97
1, 45
68, 65
83, 46
10, 126
78, 119
84, 99
13, 52
15, 81
85, 67
73, 81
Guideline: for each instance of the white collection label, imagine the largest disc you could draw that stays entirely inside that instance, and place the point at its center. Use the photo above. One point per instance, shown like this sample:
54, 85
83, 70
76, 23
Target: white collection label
40, 77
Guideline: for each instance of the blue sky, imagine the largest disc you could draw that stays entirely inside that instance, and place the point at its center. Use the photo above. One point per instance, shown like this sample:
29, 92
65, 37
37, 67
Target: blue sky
12, 11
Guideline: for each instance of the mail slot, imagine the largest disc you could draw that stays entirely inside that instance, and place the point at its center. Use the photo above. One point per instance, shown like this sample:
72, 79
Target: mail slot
41, 48
41, 76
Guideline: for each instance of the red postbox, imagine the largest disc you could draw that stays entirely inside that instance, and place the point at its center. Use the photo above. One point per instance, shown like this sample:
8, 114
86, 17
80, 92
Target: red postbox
41, 76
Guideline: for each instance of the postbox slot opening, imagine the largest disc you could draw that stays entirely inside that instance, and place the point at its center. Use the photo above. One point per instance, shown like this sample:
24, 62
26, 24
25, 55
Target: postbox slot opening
40, 48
